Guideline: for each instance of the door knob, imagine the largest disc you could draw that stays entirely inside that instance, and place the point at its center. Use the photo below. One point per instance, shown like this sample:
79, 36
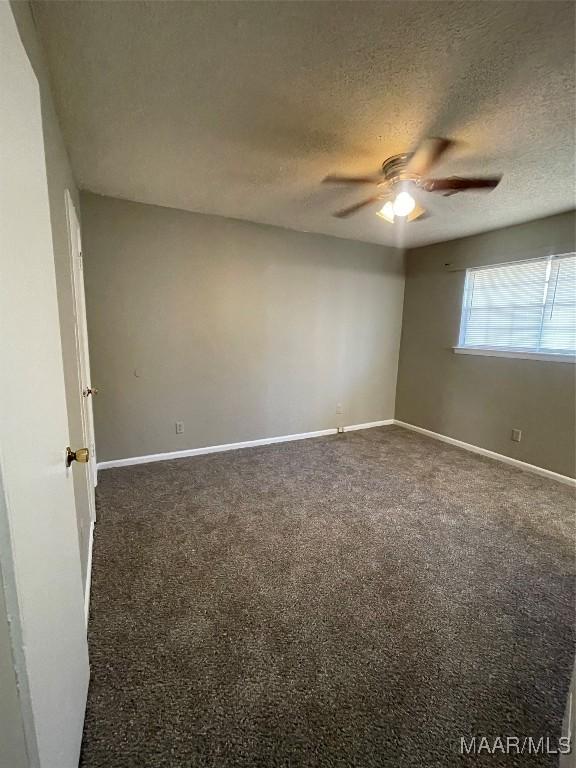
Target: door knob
81, 456
90, 391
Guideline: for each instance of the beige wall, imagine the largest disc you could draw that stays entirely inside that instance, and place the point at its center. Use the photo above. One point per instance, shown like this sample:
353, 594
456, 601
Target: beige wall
480, 399
240, 330
59, 177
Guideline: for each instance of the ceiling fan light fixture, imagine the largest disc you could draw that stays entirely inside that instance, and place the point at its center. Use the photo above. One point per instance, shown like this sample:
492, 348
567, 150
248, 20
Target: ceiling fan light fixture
404, 204
387, 212
410, 171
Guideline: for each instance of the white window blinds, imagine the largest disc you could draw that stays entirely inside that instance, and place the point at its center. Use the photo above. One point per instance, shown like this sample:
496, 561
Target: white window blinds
526, 306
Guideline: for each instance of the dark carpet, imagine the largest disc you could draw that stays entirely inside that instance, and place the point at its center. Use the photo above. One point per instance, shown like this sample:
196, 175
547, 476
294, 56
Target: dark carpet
358, 600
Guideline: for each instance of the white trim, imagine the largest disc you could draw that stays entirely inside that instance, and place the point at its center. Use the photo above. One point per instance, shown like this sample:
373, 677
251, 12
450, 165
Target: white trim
88, 573
369, 425
490, 454
491, 352
530, 259
234, 446
83, 378
322, 433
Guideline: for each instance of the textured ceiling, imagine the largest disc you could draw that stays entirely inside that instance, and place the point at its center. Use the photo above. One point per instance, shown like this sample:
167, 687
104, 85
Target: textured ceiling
241, 108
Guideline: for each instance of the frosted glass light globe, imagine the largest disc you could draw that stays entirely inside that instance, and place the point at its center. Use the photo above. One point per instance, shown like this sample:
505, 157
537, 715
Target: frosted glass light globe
404, 204
387, 212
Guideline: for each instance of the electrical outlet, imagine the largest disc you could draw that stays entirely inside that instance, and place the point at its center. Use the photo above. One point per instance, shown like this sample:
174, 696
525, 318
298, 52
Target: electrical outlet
179, 427
339, 409
516, 435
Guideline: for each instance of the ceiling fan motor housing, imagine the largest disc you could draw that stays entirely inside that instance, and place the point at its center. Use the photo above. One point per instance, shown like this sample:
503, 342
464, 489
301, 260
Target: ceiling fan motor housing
394, 168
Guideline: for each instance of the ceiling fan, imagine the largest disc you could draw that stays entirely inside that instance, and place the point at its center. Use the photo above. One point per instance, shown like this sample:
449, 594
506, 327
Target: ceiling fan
403, 175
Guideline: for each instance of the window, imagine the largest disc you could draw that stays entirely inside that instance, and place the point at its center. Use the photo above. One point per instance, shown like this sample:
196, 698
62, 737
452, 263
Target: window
523, 307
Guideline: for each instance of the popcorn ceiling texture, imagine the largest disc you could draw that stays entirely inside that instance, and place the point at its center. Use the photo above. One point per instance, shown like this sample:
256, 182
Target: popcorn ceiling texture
361, 600
240, 109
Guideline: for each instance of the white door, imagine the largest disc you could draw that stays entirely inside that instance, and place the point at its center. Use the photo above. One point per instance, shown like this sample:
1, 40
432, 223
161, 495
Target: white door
39, 552
86, 390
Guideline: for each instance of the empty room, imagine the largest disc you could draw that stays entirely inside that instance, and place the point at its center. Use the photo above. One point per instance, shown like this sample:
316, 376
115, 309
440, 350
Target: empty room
287, 384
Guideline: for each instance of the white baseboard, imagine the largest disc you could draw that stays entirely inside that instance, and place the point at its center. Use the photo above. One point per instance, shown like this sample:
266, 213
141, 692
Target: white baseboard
234, 446
490, 454
321, 433
369, 424
88, 574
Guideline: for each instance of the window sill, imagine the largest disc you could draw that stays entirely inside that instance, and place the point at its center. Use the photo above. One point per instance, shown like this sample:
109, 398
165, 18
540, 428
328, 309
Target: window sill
487, 352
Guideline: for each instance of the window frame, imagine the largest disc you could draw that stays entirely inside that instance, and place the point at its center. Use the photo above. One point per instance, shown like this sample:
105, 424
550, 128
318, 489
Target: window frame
508, 352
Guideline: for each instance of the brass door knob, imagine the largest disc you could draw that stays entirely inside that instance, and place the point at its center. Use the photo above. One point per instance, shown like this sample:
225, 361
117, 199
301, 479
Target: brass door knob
90, 391
81, 456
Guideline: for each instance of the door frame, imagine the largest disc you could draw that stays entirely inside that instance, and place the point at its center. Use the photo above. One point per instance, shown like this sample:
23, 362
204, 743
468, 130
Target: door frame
82, 348
20, 687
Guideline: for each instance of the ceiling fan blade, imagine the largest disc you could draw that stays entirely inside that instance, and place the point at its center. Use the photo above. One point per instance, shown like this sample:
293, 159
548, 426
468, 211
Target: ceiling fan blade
335, 179
453, 184
427, 154
344, 212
